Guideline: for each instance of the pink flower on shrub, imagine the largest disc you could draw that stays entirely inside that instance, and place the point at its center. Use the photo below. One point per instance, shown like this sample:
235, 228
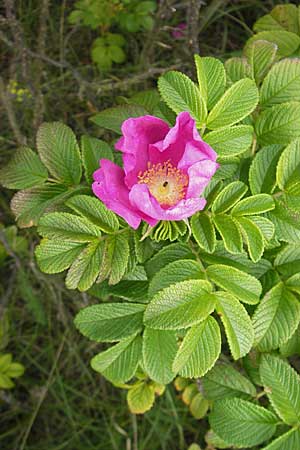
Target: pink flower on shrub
178, 32
165, 171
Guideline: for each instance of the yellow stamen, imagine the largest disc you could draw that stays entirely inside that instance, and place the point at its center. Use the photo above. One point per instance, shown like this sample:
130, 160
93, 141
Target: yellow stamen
165, 182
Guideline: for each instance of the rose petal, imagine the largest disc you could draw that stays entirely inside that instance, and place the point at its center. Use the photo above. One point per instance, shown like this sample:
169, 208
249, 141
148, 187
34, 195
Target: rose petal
200, 175
196, 151
141, 199
109, 187
173, 145
183, 145
138, 134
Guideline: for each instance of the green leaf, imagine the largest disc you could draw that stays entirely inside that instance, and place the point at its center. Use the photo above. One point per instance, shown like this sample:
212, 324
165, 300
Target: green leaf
176, 271
228, 197
143, 249
127, 289
24, 170
6, 382
149, 99
159, 350
110, 322
282, 385
67, 226
282, 84
93, 210
189, 392
112, 118
293, 283
237, 69
194, 447
229, 166
168, 230
276, 318
265, 225
92, 151
167, 255
198, 408
262, 173
241, 423
211, 78
287, 441
253, 238
287, 225
288, 169
287, 17
204, 232
165, 113
119, 251
15, 370
117, 54
237, 324
212, 439
199, 349
240, 284
256, 204
114, 39
286, 41
282, 17
141, 398
181, 94
292, 346
237, 103
287, 262
230, 141
267, 23
85, 269
292, 201
261, 55
180, 305
239, 261
28, 205
279, 124
5, 362
224, 381
59, 151
54, 256
100, 55
119, 363
229, 231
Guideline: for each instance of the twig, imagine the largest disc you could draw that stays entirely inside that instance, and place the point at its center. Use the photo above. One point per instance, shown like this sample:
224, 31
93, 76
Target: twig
39, 106
193, 14
97, 87
146, 55
19, 42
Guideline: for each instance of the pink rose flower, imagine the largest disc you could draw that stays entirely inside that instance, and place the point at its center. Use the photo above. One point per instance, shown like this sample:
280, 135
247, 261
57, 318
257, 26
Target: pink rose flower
165, 171
178, 32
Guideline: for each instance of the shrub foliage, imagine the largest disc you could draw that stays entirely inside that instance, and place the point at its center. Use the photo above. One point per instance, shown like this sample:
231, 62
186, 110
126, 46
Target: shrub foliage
215, 298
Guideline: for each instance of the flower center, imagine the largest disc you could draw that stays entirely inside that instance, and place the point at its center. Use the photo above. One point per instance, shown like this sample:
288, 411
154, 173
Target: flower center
165, 182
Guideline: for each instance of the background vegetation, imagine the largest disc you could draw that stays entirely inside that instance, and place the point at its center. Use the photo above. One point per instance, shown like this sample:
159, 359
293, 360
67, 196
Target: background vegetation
48, 74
